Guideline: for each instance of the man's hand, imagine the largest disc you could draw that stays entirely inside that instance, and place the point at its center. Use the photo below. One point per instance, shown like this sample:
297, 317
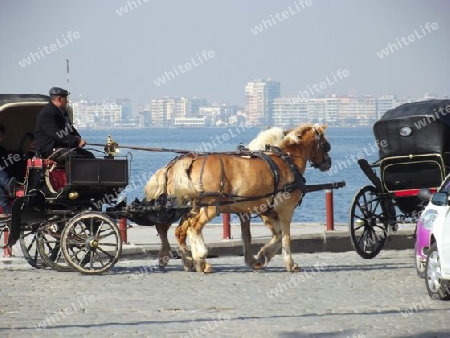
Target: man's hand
82, 143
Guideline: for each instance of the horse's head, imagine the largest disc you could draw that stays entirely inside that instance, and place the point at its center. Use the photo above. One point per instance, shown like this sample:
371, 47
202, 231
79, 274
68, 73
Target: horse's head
319, 156
314, 143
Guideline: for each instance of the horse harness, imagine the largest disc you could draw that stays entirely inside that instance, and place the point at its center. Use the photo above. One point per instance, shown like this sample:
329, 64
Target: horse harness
227, 198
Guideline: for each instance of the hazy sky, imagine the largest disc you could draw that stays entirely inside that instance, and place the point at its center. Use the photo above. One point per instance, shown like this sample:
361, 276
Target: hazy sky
113, 56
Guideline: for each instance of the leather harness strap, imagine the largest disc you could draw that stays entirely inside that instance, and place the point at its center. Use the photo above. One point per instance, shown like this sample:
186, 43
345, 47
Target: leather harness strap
297, 183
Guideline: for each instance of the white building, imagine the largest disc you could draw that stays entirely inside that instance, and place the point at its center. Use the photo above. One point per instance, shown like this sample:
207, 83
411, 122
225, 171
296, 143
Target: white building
93, 114
385, 103
259, 98
289, 112
164, 110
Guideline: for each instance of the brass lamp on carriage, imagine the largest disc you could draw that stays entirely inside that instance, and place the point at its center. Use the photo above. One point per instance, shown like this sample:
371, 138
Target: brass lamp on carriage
111, 147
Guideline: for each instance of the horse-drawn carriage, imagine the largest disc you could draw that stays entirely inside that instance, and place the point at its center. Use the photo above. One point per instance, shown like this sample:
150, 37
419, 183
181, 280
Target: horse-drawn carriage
414, 153
57, 211
61, 221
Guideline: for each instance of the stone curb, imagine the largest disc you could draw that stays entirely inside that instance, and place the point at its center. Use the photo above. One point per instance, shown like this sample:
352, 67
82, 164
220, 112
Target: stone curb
328, 241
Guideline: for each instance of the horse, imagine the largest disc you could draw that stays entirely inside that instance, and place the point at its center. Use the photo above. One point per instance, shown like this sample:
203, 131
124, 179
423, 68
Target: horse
269, 136
269, 185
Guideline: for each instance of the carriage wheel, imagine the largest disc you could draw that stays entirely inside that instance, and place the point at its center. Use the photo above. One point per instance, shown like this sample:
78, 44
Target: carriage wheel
368, 223
49, 246
28, 244
91, 243
5, 226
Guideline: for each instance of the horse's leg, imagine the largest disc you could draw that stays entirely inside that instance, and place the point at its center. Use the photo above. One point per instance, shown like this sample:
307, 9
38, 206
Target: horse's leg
285, 221
198, 247
181, 234
247, 239
165, 251
273, 246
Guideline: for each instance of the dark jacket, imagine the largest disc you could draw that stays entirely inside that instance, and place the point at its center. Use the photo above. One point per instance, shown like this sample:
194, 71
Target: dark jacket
52, 132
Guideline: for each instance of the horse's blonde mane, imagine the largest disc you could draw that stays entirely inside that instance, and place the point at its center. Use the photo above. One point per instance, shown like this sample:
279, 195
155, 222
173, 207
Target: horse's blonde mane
295, 135
270, 136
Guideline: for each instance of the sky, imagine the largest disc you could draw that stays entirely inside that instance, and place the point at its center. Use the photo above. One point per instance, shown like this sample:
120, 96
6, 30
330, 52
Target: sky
115, 53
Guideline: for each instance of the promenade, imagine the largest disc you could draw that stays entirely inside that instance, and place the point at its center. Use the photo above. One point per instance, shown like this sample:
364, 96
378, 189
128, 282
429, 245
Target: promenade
305, 238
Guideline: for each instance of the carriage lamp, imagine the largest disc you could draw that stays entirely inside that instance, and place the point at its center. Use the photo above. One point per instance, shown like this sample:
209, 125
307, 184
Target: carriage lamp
111, 147
405, 131
73, 195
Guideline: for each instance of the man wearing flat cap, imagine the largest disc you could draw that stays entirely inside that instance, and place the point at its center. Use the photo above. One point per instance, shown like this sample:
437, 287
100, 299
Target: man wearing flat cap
55, 134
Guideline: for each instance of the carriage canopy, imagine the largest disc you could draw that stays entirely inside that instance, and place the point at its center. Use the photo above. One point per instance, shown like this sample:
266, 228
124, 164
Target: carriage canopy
414, 128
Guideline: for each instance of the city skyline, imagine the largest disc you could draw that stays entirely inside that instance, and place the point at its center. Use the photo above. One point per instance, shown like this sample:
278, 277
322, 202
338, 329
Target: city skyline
145, 49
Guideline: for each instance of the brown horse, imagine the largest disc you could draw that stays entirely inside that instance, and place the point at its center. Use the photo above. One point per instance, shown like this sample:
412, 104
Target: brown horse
269, 186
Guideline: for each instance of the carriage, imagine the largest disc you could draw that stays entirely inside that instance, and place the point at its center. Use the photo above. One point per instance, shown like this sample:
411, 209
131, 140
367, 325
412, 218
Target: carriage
414, 153
61, 220
58, 216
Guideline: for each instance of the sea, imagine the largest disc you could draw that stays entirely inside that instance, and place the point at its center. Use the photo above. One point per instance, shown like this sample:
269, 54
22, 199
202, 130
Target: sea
347, 146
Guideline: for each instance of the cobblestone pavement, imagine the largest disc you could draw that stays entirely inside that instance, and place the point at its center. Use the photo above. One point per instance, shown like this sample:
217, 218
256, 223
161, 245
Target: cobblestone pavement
339, 295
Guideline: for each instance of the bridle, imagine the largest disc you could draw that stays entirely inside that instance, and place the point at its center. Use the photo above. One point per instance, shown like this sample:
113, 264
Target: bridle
324, 146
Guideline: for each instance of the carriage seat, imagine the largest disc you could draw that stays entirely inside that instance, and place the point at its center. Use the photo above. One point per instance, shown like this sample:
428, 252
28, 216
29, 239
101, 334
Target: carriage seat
55, 173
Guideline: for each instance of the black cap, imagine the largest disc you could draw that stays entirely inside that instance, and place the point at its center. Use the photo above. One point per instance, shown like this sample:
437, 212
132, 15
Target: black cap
56, 91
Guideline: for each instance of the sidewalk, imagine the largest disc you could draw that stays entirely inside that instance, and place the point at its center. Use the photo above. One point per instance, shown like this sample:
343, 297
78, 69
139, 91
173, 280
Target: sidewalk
305, 238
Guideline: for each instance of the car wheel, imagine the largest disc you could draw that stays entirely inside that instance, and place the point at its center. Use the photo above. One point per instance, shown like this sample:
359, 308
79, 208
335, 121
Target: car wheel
437, 287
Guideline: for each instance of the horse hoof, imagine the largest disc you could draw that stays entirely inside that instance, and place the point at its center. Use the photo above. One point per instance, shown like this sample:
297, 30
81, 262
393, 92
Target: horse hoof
263, 259
188, 264
208, 268
257, 266
296, 268
200, 265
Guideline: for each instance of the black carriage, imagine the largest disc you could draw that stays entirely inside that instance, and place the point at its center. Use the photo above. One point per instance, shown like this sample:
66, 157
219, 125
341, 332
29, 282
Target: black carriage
58, 213
414, 153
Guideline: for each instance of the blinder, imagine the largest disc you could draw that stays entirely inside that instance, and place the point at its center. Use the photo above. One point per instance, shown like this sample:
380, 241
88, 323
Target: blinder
326, 146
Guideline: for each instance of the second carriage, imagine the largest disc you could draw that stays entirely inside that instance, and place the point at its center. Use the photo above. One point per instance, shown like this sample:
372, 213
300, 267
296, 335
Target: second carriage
414, 153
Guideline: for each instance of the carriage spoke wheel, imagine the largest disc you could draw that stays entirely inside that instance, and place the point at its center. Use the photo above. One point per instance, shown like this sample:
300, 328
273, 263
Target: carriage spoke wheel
91, 243
49, 246
5, 230
28, 244
368, 223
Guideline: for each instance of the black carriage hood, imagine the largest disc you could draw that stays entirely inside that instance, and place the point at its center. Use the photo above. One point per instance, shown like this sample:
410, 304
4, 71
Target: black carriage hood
18, 98
429, 122
422, 108
18, 114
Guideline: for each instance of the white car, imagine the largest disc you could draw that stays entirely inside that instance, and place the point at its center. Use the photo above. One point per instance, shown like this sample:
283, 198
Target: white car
437, 269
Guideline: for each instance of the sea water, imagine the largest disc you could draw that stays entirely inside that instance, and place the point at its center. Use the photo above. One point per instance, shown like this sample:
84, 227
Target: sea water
347, 145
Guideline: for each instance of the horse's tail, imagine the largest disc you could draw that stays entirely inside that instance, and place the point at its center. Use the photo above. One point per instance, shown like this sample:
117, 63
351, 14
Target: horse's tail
183, 188
157, 185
